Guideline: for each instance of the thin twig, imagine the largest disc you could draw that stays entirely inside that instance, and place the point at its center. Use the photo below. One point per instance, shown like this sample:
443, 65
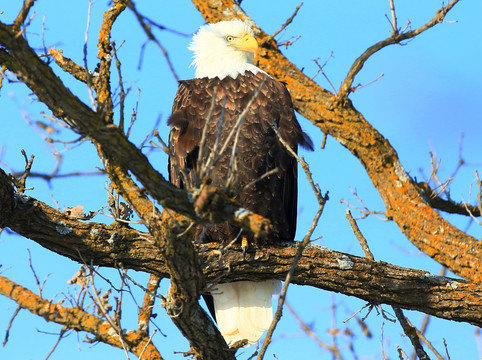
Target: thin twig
411, 332
289, 21
122, 94
20, 183
61, 336
266, 174
301, 246
414, 335
10, 323
394, 18
309, 331
147, 344
381, 342
145, 24
37, 280
361, 239
364, 209
446, 348
320, 70
237, 126
104, 312
425, 340
87, 73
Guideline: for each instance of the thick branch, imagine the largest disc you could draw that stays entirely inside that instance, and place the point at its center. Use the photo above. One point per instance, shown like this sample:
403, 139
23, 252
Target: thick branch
376, 282
426, 229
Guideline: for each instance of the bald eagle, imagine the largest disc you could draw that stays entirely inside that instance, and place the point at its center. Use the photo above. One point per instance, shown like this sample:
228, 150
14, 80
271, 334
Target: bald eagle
222, 128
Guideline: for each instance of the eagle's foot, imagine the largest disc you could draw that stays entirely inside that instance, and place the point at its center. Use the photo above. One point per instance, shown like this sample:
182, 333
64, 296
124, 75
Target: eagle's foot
244, 246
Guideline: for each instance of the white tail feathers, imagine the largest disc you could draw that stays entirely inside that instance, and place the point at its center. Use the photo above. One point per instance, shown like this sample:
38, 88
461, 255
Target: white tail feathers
243, 309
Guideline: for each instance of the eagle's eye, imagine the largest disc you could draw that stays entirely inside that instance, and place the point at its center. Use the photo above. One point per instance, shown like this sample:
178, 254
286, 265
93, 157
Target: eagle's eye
229, 38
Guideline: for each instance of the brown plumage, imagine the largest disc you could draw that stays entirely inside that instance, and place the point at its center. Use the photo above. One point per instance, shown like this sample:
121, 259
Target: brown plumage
258, 149
214, 106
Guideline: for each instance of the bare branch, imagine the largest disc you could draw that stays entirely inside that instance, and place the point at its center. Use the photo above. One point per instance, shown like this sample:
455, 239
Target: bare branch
396, 38
68, 65
145, 24
361, 239
20, 182
307, 329
411, 332
22, 15
318, 267
61, 336
301, 246
10, 323
449, 206
320, 70
289, 21
394, 18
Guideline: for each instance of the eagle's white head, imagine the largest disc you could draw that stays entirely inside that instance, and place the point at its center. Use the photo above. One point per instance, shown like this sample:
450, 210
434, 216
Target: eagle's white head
223, 49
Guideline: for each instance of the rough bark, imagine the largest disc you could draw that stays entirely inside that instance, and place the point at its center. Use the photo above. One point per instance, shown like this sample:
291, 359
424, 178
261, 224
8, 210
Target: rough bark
116, 246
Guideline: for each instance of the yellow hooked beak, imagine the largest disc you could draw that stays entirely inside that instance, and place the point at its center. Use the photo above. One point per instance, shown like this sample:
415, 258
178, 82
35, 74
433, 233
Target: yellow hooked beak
247, 43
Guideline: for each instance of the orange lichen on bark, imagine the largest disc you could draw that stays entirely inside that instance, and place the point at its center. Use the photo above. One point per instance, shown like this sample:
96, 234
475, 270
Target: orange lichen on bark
74, 318
70, 66
104, 96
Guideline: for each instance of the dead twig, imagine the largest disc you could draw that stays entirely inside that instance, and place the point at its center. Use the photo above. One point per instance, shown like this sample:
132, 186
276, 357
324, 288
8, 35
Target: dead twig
145, 24
361, 239
289, 21
320, 70
100, 305
364, 209
411, 332
394, 18
309, 331
20, 182
61, 336
10, 323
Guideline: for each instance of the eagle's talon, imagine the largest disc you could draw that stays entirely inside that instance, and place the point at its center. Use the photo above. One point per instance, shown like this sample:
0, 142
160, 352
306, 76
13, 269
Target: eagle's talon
244, 246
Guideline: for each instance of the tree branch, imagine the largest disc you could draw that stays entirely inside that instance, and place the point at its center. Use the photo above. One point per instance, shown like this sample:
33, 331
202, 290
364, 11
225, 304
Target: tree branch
377, 282
426, 229
449, 206
76, 319
396, 38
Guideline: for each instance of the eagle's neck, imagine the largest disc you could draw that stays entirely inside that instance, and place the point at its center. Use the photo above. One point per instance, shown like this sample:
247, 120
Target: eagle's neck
230, 63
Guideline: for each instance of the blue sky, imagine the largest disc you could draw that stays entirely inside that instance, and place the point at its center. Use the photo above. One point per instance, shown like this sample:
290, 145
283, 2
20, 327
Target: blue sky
426, 101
